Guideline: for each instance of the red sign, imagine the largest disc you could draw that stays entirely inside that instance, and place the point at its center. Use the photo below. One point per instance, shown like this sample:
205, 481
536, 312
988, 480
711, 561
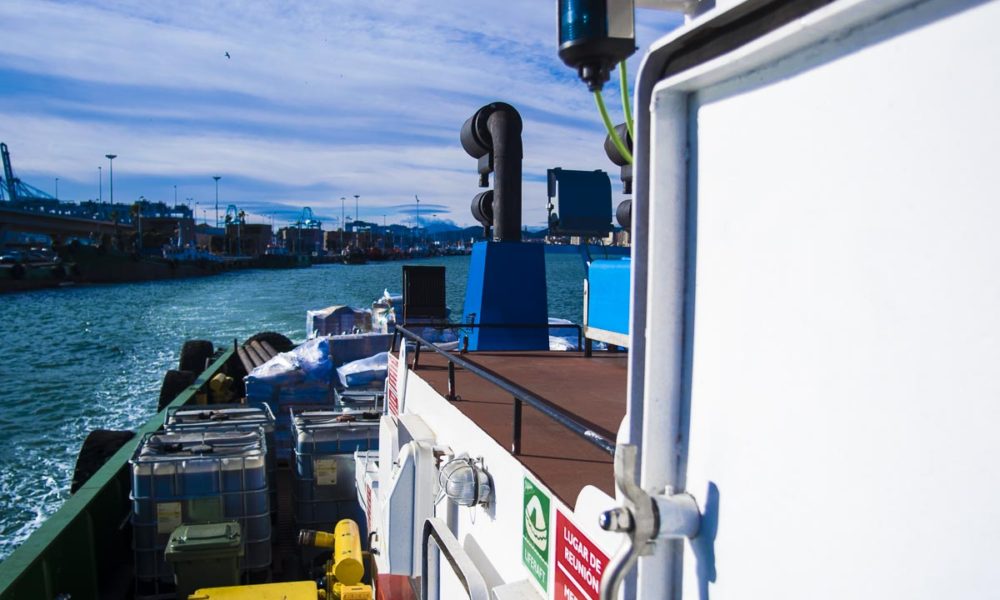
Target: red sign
368, 505
579, 563
393, 384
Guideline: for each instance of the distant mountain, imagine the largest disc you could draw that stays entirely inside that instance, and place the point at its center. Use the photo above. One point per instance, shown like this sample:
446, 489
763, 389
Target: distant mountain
440, 226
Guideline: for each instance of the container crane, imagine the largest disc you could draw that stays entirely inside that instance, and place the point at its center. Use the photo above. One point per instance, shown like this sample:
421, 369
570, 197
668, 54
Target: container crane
13, 188
307, 220
235, 216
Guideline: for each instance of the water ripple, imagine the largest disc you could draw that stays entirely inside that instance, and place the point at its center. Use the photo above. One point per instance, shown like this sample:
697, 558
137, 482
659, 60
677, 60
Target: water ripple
77, 359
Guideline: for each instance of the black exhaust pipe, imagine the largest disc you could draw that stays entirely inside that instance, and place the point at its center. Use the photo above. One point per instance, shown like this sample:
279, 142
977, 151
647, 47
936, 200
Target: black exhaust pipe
493, 135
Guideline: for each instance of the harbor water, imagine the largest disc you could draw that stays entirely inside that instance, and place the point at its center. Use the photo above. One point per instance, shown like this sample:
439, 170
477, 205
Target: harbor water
93, 357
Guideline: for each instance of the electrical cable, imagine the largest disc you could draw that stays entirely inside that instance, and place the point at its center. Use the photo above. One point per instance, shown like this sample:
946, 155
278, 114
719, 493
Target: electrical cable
617, 141
626, 101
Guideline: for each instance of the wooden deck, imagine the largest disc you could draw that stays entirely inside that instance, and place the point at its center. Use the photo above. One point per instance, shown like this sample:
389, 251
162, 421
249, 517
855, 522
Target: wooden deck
592, 389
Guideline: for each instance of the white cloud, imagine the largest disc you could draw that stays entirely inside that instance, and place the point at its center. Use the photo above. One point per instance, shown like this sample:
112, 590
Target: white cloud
319, 100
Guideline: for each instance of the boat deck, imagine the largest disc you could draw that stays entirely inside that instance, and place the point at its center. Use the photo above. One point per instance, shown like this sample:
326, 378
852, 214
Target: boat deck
593, 389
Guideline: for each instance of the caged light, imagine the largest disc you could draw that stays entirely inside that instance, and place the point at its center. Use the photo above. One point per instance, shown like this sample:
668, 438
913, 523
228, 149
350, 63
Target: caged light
465, 482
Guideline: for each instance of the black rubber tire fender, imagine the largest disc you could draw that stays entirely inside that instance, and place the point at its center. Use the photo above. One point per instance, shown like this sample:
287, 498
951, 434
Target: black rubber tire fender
277, 341
97, 448
17, 271
194, 355
174, 382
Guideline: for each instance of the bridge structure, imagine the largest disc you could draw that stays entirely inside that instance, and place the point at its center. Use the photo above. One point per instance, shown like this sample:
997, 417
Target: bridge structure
27, 209
59, 227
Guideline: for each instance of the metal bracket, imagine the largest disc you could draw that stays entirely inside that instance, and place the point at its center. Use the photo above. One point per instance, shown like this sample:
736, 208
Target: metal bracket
645, 519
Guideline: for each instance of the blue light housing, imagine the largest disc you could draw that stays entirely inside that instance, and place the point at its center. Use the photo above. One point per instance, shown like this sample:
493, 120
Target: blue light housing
595, 35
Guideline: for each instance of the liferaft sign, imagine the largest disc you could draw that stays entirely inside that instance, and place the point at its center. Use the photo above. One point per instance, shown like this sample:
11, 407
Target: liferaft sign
535, 538
579, 563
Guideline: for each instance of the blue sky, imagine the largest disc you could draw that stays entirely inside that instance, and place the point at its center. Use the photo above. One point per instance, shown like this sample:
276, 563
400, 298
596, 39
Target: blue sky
319, 100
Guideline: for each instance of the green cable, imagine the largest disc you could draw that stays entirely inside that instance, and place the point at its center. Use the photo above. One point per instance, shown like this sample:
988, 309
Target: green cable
626, 101
617, 141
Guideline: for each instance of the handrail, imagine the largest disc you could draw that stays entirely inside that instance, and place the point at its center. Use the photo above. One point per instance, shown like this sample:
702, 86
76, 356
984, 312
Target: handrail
448, 325
461, 564
582, 429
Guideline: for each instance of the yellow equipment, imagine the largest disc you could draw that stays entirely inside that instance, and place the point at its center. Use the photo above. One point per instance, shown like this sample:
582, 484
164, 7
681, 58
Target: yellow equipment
296, 590
346, 568
221, 388
352, 592
344, 572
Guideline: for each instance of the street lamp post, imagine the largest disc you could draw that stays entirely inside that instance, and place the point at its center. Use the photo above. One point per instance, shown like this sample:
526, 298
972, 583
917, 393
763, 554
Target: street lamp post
100, 185
239, 233
356, 207
194, 217
57, 188
417, 232
138, 221
343, 222
216, 178
111, 174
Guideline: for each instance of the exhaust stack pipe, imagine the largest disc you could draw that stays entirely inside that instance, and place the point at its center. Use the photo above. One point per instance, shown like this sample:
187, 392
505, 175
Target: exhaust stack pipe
493, 136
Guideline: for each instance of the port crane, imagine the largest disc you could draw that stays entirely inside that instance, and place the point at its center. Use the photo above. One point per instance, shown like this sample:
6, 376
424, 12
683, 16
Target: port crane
235, 216
307, 220
13, 189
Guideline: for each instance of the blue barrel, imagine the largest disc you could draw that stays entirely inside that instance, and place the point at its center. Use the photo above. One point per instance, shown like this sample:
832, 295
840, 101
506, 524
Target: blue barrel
324, 489
195, 477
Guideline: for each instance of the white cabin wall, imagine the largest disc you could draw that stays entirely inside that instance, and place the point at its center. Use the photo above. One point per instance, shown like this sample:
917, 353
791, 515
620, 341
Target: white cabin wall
492, 535
846, 364
498, 526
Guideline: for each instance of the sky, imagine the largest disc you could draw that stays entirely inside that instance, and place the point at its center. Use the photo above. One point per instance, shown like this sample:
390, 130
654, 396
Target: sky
316, 101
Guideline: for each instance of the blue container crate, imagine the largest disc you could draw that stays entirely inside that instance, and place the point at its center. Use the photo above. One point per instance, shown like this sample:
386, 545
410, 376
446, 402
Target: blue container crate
324, 489
229, 417
361, 398
238, 417
281, 399
186, 477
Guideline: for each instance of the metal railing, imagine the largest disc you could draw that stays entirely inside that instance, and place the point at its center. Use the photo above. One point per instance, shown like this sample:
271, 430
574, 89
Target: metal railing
445, 325
521, 395
465, 340
466, 571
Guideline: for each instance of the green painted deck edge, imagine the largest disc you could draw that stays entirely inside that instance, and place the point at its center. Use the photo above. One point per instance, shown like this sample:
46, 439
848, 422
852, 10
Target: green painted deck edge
57, 530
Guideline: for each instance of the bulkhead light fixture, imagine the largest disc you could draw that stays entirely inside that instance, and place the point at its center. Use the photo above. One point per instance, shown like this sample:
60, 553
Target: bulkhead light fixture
465, 482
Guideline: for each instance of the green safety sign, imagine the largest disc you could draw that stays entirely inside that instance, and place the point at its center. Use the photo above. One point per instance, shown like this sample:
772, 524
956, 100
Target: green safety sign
535, 542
